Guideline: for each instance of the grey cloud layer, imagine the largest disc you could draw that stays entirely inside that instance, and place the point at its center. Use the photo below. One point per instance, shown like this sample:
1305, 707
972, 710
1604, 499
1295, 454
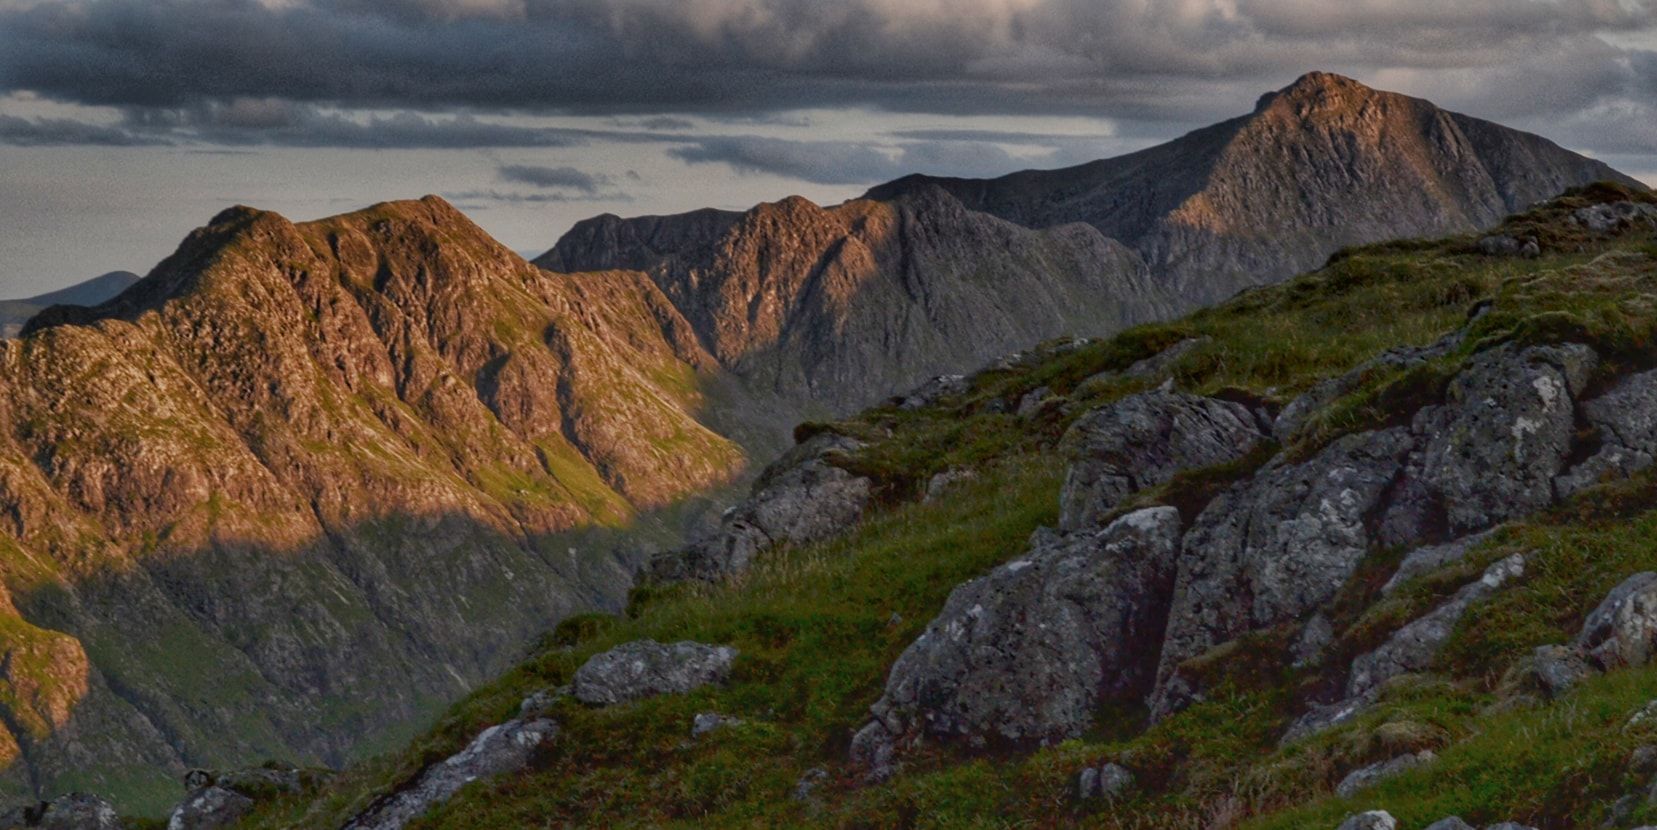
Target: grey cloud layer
1186, 57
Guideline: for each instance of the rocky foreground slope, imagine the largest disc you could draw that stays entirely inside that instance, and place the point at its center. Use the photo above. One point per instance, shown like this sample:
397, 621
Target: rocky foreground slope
1321, 164
1372, 548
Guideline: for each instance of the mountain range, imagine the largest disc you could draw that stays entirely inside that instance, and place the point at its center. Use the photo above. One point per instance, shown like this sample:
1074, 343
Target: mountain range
344, 471
15, 313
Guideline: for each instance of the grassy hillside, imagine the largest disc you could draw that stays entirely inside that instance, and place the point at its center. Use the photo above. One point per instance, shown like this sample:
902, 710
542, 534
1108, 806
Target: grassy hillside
819, 627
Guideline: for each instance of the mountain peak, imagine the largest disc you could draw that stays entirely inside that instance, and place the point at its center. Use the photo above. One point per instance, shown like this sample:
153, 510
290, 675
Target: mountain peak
1317, 89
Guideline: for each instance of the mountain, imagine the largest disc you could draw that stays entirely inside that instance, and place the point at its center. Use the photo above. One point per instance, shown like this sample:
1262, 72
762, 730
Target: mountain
14, 313
345, 470
845, 305
1321, 164
1379, 538
306, 483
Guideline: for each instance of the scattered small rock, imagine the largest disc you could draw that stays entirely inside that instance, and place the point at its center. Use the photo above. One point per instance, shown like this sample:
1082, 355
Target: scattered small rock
541, 702
1372, 820
1503, 245
1451, 823
947, 480
1109, 781
1156, 364
932, 392
1365, 777
1033, 401
498, 750
1613, 216
646, 668
809, 782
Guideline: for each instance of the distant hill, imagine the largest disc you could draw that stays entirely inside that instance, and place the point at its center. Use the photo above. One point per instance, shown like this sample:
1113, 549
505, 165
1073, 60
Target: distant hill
14, 313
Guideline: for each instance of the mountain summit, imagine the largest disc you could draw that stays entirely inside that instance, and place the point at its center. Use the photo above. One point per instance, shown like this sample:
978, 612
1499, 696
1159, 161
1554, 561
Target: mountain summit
1323, 163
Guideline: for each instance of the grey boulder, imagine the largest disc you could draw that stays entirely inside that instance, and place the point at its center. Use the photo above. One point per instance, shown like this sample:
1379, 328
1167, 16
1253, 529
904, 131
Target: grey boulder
1612, 216
1622, 630
75, 811
1144, 440
1026, 653
646, 668
1625, 420
498, 750
1451, 823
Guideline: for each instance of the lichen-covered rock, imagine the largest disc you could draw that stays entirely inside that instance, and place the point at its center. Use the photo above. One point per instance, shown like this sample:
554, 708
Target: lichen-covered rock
1506, 429
1027, 652
1626, 421
646, 668
1276, 546
1158, 363
209, 808
803, 497
498, 750
75, 811
706, 722
1425, 560
1622, 630
1372, 820
932, 392
1365, 777
1504, 245
1143, 440
1546, 673
1413, 647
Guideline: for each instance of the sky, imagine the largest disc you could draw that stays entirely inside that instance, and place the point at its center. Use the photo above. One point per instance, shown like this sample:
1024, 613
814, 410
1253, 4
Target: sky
126, 123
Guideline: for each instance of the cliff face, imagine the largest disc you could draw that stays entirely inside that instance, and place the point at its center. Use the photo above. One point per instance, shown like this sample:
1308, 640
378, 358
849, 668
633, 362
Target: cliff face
1321, 164
840, 306
307, 482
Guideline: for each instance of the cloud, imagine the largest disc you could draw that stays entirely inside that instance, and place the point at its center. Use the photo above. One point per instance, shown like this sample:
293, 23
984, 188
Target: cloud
48, 132
554, 178
484, 198
959, 153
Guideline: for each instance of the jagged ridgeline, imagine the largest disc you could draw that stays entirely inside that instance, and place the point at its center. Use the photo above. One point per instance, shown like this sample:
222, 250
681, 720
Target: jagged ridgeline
1377, 539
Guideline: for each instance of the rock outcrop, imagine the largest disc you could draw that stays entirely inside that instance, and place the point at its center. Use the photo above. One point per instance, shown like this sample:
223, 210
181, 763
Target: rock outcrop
499, 750
1143, 440
645, 668
76, 811
1027, 653
803, 497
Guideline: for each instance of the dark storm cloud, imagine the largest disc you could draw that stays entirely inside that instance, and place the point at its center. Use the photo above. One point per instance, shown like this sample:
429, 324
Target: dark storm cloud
733, 55
856, 163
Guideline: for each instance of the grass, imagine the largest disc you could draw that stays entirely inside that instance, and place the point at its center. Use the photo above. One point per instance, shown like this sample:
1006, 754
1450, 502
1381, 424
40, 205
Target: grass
819, 626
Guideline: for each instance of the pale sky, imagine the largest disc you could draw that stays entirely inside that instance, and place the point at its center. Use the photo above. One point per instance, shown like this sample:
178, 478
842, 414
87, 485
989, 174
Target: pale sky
125, 123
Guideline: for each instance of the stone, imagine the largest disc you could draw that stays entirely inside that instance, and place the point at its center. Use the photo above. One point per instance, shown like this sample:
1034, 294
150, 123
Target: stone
1625, 420
1366, 777
1645, 717
807, 786
1425, 560
1274, 547
947, 480
932, 392
1614, 216
1451, 823
1413, 647
801, 498
1506, 429
1510, 825
1294, 415
1504, 245
77, 811
1108, 781
1547, 673
498, 750
1026, 653
1314, 640
209, 808
1622, 630
706, 722
1144, 440
1033, 401
1372, 820
541, 702
1158, 363
646, 668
